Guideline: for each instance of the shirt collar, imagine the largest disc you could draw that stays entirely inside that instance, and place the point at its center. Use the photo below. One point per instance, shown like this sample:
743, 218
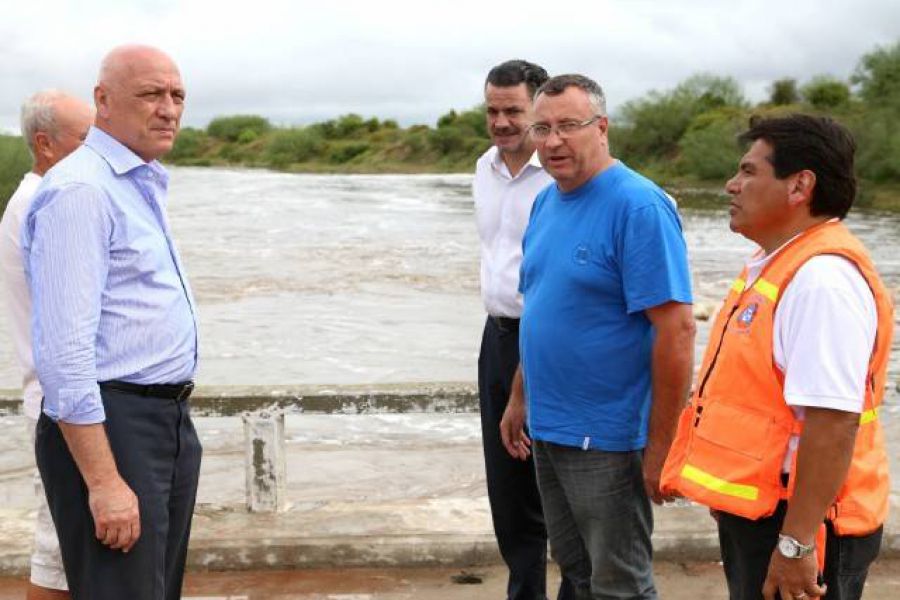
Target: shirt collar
120, 158
500, 167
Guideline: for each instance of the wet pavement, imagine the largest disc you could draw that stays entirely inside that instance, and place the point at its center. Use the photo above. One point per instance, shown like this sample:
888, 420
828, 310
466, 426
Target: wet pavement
675, 581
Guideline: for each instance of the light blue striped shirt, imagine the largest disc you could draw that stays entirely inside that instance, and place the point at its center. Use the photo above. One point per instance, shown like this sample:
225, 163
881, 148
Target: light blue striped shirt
110, 297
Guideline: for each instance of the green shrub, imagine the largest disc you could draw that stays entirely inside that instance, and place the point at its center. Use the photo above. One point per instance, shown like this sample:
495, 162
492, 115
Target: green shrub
826, 93
189, 144
231, 128
296, 145
878, 75
349, 126
248, 136
15, 161
877, 133
709, 149
470, 122
784, 91
652, 126
343, 152
447, 140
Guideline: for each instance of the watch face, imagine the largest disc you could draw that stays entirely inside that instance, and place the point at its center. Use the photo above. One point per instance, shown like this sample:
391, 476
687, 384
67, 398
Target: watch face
787, 548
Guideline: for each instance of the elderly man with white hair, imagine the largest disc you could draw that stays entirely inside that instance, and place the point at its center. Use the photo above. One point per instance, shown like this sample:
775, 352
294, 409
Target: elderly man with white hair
115, 336
53, 125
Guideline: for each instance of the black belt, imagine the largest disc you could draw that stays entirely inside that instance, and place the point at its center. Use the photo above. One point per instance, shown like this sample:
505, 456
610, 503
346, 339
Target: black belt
505, 323
172, 391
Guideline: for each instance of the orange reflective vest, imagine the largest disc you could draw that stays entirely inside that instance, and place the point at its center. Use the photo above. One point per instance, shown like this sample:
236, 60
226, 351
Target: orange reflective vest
732, 437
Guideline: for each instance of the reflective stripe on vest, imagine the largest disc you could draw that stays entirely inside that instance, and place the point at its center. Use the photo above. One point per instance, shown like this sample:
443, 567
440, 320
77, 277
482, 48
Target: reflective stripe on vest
766, 288
711, 482
868, 416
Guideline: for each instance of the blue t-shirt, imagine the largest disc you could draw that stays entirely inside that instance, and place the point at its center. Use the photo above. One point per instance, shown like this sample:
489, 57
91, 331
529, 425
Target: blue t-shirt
594, 259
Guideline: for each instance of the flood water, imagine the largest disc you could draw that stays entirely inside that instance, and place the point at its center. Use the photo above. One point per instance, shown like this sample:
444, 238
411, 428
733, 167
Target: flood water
368, 279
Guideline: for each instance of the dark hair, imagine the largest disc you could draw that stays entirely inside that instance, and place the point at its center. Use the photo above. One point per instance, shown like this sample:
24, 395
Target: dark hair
559, 84
819, 144
513, 72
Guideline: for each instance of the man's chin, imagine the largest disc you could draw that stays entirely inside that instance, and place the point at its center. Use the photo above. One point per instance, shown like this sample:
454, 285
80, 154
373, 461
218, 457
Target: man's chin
160, 149
510, 146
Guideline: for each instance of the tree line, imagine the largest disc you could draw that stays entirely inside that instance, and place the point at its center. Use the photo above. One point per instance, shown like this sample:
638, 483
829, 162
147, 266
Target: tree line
682, 135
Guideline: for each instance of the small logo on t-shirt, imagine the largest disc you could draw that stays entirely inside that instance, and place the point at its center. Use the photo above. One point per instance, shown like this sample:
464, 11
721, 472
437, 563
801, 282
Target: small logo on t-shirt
582, 254
747, 315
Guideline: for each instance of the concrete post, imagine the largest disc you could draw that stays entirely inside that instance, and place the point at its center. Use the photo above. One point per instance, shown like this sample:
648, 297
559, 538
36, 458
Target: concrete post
265, 460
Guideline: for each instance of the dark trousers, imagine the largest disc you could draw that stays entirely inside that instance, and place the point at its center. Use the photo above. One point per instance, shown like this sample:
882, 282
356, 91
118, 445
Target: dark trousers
512, 486
157, 453
747, 547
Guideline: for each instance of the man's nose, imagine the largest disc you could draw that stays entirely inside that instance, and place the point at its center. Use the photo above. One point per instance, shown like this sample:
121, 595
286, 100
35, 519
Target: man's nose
553, 139
166, 107
731, 186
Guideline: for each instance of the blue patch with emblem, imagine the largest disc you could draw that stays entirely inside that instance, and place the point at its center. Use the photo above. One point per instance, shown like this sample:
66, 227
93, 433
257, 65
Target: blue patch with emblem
747, 315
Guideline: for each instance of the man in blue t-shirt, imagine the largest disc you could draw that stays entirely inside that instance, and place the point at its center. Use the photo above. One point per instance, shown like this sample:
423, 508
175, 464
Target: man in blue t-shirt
606, 343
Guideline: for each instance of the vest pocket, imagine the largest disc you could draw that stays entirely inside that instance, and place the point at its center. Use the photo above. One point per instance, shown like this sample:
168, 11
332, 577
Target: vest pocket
734, 460
736, 429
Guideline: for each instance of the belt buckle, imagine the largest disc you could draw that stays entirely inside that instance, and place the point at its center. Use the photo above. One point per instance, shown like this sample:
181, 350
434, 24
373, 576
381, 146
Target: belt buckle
504, 324
185, 392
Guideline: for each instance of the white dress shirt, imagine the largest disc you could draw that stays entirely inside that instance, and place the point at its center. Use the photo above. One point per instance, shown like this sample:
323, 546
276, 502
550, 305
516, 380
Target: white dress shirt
502, 209
15, 289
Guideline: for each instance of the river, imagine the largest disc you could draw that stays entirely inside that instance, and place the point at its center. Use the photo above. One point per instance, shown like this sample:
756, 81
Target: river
350, 279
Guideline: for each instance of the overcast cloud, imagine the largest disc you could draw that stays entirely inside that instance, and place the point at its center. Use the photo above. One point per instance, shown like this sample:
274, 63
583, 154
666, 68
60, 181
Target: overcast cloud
297, 61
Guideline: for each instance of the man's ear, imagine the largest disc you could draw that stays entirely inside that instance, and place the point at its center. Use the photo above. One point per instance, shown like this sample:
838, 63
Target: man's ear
801, 188
43, 145
101, 101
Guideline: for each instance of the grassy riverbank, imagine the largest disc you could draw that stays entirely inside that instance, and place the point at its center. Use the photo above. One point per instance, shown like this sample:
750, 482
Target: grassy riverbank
692, 192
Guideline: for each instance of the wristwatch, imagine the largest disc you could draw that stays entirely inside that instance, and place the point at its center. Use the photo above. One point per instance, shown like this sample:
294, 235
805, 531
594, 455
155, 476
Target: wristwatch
791, 548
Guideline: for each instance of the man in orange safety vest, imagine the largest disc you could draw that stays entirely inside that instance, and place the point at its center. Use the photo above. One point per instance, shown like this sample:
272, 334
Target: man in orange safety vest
782, 437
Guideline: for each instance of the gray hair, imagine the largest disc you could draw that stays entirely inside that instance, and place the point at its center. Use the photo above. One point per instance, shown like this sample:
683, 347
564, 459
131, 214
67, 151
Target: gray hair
39, 114
559, 84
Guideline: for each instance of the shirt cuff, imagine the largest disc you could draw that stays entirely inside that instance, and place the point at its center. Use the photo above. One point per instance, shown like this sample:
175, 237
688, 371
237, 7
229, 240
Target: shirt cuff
79, 406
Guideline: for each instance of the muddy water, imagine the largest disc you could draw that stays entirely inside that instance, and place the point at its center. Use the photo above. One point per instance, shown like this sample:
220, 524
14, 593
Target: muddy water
369, 279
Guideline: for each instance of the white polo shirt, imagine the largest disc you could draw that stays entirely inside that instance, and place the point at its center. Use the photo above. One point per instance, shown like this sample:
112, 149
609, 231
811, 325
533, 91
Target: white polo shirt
15, 289
502, 209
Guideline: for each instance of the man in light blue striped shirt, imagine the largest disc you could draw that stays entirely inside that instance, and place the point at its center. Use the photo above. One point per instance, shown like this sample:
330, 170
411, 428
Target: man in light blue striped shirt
115, 342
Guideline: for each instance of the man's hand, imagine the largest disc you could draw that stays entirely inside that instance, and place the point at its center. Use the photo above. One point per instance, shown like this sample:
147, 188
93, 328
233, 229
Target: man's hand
654, 459
114, 507
117, 519
512, 431
512, 425
793, 578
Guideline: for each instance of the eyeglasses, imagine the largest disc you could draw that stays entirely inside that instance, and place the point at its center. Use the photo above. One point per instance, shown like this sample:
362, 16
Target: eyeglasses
564, 130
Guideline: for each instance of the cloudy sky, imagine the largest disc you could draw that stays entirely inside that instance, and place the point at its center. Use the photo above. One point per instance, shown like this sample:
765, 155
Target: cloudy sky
296, 61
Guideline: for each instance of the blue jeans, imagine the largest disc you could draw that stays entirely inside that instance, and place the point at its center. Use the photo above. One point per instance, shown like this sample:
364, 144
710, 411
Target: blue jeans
599, 520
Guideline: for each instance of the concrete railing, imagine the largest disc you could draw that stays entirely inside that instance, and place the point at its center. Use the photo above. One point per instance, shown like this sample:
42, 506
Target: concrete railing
263, 409
223, 401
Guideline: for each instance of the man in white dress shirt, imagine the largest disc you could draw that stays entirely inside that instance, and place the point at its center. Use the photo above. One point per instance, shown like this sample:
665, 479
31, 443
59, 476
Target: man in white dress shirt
53, 125
507, 178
